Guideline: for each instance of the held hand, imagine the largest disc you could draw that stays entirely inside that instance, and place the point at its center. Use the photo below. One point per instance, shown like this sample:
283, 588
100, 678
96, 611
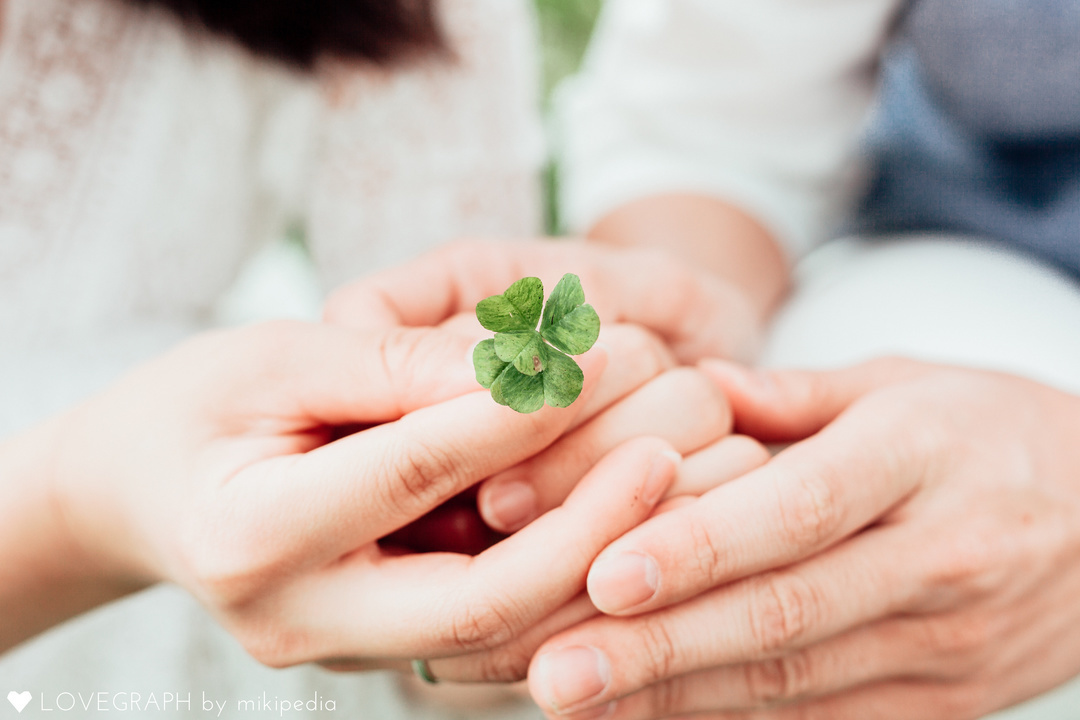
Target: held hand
694, 312
916, 556
642, 358
681, 405
216, 467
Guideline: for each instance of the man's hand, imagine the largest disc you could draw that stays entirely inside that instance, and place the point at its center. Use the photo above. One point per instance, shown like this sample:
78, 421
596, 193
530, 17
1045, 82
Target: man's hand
915, 554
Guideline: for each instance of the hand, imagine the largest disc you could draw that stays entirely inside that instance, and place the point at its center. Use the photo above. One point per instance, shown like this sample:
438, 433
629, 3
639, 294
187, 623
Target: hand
698, 407
216, 467
916, 554
694, 312
681, 405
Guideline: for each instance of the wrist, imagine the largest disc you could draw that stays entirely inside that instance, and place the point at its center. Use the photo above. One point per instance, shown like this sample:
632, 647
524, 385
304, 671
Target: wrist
47, 573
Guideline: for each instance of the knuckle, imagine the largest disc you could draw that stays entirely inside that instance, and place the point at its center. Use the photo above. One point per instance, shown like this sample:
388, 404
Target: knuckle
960, 639
779, 679
783, 610
968, 565
810, 513
478, 626
422, 473
413, 361
659, 647
397, 351
706, 552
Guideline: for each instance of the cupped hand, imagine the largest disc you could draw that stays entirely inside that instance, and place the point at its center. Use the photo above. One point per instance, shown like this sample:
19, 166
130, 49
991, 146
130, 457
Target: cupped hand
915, 554
694, 312
220, 467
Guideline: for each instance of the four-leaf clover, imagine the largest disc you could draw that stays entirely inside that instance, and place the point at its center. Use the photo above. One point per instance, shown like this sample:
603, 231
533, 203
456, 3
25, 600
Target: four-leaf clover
526, 367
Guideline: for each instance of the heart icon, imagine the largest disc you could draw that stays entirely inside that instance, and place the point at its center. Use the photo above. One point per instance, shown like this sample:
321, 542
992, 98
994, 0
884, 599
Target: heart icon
19, 700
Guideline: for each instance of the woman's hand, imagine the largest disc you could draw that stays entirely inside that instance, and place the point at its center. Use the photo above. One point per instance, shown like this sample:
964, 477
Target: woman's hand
916, 556
681, 405
694, 312
222, 467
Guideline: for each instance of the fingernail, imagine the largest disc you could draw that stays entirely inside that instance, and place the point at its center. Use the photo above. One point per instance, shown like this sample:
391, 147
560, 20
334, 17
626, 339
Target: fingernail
661, 475
623, 581
510, 505
573, 676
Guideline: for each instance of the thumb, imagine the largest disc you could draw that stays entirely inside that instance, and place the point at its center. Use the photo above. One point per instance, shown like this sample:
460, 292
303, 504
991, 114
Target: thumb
791, 405
337, 376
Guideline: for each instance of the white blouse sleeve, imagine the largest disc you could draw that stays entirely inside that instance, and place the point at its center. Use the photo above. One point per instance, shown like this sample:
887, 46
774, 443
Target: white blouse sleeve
756, 101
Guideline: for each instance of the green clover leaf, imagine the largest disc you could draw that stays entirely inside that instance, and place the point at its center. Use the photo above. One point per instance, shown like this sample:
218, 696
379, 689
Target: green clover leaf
526, 368
569, 324
516, 310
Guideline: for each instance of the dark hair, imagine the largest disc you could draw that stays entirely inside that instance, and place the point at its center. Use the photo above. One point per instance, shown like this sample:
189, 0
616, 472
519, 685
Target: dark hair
297, 32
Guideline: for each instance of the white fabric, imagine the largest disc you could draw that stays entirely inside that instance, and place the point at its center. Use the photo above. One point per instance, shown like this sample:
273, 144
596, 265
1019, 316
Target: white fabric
759, 103
939, 299
140, 167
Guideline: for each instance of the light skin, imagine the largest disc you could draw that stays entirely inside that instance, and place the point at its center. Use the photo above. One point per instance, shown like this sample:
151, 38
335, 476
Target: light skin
689, 298
915, 554
697, 312
218, 467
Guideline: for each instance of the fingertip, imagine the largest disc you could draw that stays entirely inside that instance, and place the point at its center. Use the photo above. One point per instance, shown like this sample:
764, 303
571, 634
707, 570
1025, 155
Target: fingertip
620, 582
508, 503
594, 361
732, 376
662, 472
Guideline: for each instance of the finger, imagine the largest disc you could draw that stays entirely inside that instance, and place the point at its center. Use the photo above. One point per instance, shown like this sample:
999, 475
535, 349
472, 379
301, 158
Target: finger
682, 406
900, 699
888, 650
436, 604
807, 498
755, 619
638, 356
723, 461
510, 662
788, 405
334, 376
506, 663
695, 317
291, 512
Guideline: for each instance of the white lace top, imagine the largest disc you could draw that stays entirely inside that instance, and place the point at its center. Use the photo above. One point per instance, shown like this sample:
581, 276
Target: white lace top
141, 165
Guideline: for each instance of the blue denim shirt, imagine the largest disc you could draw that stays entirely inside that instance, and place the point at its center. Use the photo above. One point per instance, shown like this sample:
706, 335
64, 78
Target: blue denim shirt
979, 126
